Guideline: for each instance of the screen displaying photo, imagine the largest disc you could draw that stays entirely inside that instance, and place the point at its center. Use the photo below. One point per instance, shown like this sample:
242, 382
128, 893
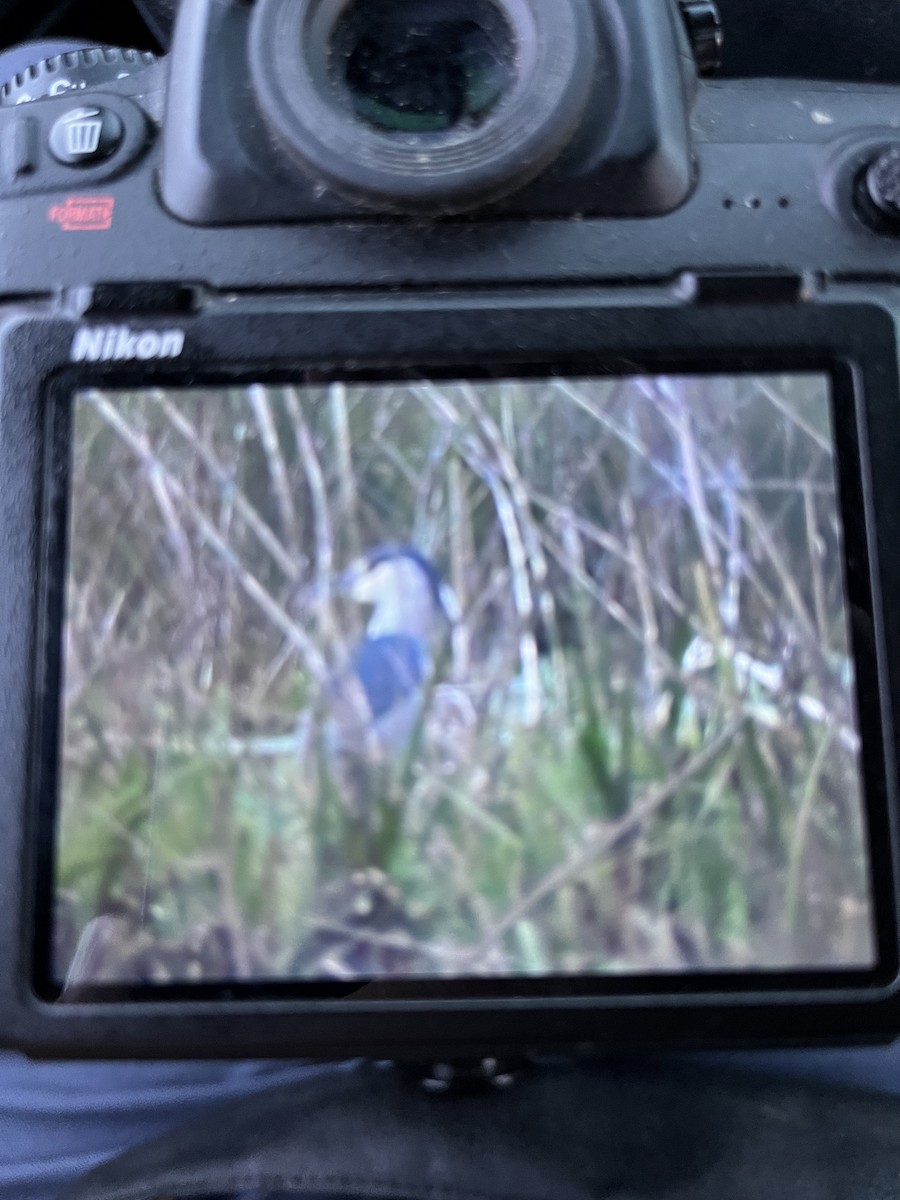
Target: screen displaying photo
516, 678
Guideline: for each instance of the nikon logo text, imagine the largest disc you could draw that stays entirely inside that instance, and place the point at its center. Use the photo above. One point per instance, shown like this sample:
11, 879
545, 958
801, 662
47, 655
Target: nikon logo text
118, 343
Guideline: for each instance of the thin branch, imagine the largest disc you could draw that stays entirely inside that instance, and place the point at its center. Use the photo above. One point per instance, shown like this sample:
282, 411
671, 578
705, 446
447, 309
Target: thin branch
794, 417
521, 498
524, 553
801, 830
814, 541
640, 576
616, 549
177, 536
690, 464
757, 524
521, 584
634, 444
258, 397
224, 837
603, 840
224, 478
255, 591
460, 535
318, 493
343, 452
698, 459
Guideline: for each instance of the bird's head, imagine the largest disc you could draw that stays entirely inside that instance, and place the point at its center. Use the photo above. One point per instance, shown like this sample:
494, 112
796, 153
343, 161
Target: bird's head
404, 589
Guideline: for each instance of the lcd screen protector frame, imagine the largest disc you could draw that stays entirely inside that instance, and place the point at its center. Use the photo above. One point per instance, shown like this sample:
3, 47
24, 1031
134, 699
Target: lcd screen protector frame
538, 684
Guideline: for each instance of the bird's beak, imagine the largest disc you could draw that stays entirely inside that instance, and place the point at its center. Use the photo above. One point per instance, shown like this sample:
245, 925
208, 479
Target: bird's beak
359, 582
345, 583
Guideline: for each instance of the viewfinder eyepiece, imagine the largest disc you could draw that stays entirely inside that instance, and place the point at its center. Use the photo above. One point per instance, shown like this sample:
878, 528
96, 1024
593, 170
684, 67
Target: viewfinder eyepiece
417, 66
424, 106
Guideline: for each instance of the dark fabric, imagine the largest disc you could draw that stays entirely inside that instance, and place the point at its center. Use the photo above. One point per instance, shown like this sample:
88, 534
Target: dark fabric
60, 1120
160, 17
635, 1131
813, 39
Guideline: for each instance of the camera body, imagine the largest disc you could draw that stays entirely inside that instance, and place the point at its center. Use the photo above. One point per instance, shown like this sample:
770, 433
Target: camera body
179, 222
660, 175
624, 147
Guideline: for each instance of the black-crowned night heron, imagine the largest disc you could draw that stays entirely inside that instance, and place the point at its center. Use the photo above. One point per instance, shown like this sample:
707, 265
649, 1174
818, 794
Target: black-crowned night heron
377, 702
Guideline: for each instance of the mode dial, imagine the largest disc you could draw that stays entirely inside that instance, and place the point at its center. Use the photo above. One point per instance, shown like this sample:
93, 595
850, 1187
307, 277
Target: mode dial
704, 26
75, 71
882, 186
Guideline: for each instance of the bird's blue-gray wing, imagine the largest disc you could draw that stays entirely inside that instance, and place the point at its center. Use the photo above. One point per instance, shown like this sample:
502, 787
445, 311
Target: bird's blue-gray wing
390, 669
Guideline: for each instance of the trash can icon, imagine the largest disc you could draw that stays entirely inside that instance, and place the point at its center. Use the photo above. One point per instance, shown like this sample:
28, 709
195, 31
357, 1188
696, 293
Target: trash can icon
83, 129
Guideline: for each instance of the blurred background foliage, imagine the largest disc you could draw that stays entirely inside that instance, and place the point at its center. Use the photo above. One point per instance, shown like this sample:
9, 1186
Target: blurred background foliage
639, 753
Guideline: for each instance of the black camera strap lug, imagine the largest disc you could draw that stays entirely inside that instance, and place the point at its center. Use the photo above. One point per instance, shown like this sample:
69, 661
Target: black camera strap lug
129, 299
746, 287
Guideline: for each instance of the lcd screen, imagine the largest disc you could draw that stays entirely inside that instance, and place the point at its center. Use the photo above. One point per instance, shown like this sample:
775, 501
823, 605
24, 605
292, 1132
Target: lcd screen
518, 678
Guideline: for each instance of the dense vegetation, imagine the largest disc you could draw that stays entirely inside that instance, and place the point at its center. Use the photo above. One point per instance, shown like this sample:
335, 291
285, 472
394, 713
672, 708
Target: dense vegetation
639, 749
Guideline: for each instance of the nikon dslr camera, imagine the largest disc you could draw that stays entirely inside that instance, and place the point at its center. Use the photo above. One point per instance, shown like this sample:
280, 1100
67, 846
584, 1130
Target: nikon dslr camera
449, 494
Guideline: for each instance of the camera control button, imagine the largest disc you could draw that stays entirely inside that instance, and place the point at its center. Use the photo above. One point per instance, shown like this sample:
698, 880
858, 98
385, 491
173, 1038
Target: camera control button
704, 27
86, 135
18, 149
882, 184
